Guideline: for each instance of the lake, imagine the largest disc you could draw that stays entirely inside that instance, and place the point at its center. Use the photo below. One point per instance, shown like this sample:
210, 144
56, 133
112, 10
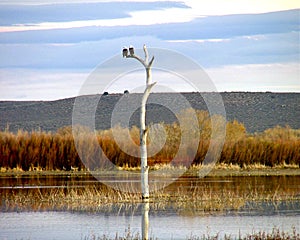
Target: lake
167, 225
165, 222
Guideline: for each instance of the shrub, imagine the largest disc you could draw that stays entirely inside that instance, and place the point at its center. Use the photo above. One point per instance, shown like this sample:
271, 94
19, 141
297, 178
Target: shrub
57, 151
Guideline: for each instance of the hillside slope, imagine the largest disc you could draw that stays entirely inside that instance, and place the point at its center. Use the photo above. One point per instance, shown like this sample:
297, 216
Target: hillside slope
258, 111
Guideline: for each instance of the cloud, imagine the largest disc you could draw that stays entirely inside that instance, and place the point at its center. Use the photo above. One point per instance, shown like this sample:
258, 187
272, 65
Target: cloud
221, 7
173, 15
257, 77
212, 41
214, 27
256, 49
60, 56
36, 84
69, 15
246, 52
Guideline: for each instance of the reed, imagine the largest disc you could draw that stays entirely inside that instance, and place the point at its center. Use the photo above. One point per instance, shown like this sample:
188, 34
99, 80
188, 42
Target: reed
275, 234
38, 150
183, 198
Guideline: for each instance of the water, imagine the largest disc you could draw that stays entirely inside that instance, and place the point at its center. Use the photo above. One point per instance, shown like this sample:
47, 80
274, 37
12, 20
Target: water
164, 223
66, 225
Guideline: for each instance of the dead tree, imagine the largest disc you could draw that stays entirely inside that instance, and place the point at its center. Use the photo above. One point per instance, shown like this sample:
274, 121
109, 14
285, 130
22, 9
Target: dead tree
143, 129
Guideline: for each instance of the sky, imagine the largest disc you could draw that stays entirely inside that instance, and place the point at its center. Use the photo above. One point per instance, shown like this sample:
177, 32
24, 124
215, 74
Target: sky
49, 48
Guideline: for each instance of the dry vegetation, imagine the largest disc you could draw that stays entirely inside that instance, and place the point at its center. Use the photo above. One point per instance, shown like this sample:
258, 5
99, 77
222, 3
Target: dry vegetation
183, 199
39, 150
275, 234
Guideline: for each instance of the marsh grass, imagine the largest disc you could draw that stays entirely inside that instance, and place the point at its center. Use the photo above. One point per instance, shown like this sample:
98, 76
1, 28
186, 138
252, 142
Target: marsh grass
127, 235
275, 234
184, 198
45, 151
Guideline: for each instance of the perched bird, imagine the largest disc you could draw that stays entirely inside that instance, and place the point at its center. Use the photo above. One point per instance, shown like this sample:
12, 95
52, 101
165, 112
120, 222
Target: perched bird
125, 52
131, 50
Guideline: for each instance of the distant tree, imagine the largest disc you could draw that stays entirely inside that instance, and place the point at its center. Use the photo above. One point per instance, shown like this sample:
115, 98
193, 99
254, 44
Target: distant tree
126, 92
105, 93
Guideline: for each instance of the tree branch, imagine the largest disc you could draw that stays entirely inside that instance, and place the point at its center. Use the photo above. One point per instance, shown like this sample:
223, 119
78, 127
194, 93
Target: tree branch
139, 59
146, 54
150, 63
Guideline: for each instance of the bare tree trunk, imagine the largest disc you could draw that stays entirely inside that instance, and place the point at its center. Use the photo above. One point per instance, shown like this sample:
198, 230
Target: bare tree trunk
143, 143
143, 130
145, 220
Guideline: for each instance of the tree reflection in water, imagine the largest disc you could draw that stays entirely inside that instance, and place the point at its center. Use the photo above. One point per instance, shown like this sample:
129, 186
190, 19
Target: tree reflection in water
145, 219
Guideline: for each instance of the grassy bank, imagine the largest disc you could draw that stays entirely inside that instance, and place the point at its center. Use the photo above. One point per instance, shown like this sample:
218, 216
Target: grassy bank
37, 150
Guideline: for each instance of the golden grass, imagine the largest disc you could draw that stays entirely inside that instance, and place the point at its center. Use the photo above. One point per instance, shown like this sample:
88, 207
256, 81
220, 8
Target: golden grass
184, 199
45, 151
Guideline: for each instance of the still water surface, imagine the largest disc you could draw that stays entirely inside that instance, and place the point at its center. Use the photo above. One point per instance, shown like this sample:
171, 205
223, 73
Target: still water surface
66, 225
164, 224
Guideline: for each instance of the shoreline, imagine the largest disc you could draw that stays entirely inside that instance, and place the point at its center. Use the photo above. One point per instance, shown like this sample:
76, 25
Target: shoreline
217, 171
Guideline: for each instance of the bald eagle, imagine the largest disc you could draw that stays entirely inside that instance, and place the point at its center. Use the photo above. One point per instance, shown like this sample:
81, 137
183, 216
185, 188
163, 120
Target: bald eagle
131, 50
125, 52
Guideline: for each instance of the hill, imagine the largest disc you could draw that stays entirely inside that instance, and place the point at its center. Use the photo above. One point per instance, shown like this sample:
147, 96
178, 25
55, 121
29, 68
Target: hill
258, 111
